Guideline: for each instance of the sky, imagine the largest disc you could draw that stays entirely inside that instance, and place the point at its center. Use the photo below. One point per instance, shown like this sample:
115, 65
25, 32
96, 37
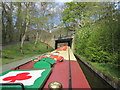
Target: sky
63, 0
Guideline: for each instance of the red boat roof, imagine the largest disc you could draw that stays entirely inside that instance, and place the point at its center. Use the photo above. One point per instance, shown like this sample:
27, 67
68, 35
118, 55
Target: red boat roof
67, 72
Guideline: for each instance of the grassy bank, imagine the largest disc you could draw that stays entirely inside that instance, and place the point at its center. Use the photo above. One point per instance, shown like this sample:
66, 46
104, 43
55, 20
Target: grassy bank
13, 53
106, 68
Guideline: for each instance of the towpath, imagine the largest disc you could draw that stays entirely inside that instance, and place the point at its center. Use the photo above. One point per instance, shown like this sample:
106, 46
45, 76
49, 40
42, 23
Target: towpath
8, 66
12, 44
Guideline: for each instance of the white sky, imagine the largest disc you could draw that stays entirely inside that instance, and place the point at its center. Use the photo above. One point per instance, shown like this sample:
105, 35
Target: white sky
63, 0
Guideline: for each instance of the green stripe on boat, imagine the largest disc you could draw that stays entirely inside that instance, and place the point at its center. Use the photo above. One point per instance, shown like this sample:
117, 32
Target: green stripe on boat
42, 64
47, 59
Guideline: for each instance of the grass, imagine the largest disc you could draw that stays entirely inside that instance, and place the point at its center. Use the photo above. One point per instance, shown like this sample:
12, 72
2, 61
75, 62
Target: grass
13, 53
106, 68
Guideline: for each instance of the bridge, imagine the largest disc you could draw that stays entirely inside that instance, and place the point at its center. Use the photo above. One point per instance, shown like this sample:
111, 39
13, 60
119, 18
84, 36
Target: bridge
55, 39
62, 40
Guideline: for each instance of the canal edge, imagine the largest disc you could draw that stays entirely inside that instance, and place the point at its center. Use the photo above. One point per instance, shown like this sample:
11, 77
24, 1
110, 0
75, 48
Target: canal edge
107, 78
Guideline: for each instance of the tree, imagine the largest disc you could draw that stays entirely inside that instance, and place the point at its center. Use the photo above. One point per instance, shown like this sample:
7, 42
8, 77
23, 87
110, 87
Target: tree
26, 26
99, 39
19, 20
7, 22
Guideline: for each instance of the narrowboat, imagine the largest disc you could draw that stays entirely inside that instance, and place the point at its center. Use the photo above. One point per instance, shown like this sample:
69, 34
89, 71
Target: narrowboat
54, 70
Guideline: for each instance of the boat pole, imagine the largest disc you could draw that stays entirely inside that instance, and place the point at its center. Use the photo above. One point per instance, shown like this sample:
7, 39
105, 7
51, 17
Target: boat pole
70, 78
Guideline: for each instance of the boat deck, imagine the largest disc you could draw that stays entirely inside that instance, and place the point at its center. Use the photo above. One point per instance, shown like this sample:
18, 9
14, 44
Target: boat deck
68, 72
62, 71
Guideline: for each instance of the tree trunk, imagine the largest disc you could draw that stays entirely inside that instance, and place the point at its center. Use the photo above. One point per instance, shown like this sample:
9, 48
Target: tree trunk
23, 38
19, 22
26, 28
36, 40
3, 24
113, 49
10, 22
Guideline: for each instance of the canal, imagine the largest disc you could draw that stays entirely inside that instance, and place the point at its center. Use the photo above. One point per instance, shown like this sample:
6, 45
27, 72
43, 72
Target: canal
95, 81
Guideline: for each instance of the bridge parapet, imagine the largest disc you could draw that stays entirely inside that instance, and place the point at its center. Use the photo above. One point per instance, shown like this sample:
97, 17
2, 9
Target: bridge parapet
64, 37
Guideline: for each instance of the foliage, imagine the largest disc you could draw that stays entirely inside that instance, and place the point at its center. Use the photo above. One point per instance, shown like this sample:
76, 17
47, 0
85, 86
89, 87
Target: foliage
78, 14
98, 43
21, 18
96, 54
98, 51
72, 14
98, 39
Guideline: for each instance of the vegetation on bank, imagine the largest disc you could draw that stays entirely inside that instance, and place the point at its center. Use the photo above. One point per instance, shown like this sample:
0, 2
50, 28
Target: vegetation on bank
97, 33
13, 53
99, 43
106, 68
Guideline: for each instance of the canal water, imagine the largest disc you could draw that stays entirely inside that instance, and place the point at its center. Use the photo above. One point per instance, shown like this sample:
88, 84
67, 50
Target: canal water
95, 81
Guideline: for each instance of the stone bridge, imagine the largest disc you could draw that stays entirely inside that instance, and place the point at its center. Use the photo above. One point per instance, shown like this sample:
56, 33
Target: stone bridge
59, 41
56, 39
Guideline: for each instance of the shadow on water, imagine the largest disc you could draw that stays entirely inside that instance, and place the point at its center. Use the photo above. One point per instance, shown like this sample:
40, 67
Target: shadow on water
95, 81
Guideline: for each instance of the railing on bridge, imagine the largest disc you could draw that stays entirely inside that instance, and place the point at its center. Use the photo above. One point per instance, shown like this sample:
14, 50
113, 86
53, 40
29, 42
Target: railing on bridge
63, 37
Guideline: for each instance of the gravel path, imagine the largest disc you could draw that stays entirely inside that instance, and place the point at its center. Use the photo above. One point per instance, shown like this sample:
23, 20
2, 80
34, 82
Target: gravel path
8, 66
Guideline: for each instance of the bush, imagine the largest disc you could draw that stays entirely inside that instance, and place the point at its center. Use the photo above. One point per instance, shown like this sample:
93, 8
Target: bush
96, 54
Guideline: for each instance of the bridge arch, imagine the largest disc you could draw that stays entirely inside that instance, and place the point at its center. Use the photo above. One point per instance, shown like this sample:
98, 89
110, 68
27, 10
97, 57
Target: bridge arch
68, 41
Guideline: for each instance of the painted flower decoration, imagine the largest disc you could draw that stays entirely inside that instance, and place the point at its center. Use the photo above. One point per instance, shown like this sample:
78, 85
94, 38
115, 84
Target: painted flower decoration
20, 76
